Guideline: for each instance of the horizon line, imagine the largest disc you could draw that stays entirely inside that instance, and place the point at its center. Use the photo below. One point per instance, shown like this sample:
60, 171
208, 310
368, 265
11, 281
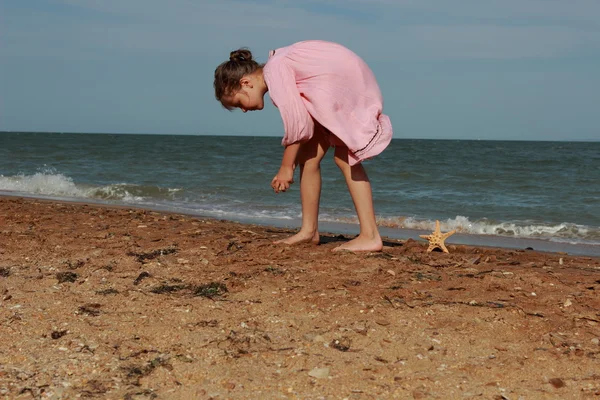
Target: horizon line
592, 140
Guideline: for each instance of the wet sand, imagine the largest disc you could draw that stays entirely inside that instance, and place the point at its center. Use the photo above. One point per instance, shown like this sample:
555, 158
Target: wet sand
115, 302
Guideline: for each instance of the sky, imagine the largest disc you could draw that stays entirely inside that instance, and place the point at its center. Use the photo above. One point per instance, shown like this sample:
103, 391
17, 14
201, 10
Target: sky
460, 69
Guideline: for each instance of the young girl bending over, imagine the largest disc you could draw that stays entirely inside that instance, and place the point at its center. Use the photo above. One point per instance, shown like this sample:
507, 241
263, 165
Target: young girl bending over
327, 97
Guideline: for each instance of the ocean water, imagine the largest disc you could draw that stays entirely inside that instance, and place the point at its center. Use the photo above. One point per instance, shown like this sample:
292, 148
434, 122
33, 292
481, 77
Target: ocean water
547, 191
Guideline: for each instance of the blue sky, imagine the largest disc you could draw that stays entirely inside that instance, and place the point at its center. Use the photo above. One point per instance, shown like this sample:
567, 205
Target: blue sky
461, 69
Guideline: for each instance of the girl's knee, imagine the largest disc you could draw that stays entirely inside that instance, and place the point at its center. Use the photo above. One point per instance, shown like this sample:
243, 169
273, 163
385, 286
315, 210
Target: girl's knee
340, 163
341, 157
305, 155
312, 151
310, 165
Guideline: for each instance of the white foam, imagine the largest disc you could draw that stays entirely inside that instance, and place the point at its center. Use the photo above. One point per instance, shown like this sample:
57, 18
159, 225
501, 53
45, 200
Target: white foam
42, 183
518, 229
115, 192
48, 182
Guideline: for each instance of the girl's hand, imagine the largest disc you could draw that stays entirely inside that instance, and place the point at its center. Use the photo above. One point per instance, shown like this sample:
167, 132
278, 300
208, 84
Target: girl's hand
283, 179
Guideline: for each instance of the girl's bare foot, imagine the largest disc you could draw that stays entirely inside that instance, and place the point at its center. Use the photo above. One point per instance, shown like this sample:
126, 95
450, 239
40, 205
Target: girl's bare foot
362, 243
301, 237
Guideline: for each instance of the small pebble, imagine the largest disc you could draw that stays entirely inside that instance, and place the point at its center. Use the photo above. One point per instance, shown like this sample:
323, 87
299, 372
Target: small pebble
22, 376
319, 373
419, 394
557, 383
362, 329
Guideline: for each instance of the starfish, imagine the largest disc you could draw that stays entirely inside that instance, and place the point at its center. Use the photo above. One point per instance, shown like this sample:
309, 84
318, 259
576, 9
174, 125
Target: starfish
436, 239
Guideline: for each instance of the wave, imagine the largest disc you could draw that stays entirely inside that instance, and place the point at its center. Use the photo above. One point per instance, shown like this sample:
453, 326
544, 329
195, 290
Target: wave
563, 232
49, 183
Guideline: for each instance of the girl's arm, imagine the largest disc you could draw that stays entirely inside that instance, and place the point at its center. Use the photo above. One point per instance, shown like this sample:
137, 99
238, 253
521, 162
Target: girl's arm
285, 176
297, 122
289, 155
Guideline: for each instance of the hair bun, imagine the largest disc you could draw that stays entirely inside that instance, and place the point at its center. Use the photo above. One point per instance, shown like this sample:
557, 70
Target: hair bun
240, 55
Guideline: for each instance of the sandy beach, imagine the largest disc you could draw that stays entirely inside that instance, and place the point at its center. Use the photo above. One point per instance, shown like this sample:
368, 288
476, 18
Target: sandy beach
123, 303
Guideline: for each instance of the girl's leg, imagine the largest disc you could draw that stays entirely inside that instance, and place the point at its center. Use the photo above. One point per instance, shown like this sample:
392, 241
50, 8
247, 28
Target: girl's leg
360, 190
309, 158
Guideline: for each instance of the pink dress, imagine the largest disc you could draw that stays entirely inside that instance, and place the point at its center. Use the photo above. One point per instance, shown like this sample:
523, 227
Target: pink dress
325, 82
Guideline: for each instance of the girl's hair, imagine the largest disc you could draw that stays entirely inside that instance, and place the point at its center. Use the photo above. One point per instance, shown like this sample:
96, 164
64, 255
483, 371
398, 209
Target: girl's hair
229, 73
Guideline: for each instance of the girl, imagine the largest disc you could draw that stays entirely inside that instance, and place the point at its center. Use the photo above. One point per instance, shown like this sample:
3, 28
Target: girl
327, 96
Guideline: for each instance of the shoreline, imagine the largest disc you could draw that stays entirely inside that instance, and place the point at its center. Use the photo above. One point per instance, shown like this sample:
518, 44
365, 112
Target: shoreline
120, 302
336, 228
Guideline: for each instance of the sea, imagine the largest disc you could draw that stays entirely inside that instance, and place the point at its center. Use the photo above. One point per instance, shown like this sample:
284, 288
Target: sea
516, 194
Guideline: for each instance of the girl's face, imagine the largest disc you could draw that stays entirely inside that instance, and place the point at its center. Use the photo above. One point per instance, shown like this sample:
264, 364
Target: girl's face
249, 98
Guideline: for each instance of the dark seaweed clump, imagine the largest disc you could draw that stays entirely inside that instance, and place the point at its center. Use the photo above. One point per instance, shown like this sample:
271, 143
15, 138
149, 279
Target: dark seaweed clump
161, 289
66, 277
141, 257
210, 290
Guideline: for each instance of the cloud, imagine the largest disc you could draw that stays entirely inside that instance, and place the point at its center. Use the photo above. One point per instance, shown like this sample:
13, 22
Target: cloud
402, 30
502, 42
575, 12
146, 65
